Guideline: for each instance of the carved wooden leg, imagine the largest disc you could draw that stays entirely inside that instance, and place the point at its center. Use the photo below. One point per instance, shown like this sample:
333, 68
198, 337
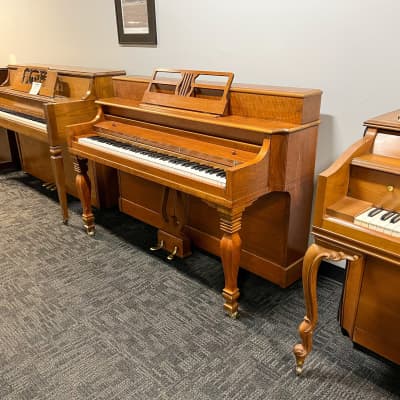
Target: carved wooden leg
311, 263
83, 186
58, 171
230, 247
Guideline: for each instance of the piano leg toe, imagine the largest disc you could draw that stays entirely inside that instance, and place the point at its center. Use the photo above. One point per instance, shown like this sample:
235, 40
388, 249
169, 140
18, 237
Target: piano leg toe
231, 304
90, 230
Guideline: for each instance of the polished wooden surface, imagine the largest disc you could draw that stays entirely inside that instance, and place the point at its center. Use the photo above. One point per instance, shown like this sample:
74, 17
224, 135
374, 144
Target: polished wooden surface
264, 139
66, 96
366, 175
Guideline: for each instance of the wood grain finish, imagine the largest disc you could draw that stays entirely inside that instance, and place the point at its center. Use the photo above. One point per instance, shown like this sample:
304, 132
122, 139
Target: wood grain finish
366, 175
265, 142
66, 97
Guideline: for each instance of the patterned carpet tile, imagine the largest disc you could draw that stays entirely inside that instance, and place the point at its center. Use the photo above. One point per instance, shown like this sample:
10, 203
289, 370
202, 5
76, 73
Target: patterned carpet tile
103, 318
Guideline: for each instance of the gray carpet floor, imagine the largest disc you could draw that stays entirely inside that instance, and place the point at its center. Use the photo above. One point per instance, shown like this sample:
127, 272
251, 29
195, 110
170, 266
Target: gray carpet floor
103, 318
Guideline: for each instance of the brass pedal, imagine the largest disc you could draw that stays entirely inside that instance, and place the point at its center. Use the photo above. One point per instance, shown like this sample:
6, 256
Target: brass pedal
172, 255
49, 186
158, 247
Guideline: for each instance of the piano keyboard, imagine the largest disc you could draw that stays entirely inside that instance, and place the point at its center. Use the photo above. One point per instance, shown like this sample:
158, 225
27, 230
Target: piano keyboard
380, 220
31, 122
205, 173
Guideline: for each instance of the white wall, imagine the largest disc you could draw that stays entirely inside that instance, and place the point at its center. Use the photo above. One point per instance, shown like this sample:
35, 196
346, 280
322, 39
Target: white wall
347, 48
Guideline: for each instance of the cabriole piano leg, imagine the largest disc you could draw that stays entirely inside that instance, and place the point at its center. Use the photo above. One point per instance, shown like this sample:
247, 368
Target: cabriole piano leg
230, 247
312, 260
83, 186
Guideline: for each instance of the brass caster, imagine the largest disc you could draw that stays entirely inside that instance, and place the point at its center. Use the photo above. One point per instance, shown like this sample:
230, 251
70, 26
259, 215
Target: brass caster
299, 368
234, 315
90, 231
158, 247
171, 256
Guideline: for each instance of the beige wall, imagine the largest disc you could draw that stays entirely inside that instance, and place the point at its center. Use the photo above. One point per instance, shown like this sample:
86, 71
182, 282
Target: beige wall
348, 48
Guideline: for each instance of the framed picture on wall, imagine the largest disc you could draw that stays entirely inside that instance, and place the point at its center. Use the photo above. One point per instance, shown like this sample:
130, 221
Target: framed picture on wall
136, 21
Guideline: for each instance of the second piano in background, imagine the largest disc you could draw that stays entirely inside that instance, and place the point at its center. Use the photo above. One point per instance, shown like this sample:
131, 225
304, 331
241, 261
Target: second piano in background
37, 102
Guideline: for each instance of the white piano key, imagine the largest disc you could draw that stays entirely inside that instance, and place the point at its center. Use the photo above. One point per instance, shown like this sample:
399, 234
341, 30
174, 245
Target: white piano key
376, 223
363, 219
152, 160
24, 121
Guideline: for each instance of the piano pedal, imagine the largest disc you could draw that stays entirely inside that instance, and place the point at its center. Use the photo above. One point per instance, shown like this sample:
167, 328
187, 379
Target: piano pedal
159, 246
49, 186
172, 255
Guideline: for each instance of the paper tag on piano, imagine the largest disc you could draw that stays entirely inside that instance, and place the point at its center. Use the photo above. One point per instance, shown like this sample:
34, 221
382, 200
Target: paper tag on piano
35, 87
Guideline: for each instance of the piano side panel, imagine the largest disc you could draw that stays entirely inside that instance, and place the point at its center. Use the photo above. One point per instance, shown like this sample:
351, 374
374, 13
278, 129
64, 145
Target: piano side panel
377, 320
35, 158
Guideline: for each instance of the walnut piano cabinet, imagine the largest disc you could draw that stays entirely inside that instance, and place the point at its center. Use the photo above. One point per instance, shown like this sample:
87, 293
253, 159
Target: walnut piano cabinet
66, 96
365, 178
264, 140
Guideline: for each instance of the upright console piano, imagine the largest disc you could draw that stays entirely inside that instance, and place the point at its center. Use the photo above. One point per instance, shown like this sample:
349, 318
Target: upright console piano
357, 218
226, 168
38, 102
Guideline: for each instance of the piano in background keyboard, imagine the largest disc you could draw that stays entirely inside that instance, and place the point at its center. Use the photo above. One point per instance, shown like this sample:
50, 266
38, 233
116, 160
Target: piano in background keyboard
66, 96
357, 218
229, 169
380, 220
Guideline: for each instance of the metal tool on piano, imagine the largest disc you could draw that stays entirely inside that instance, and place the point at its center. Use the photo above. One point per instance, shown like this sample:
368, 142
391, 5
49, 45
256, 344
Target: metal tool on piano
357, 219
227, 168
37, 102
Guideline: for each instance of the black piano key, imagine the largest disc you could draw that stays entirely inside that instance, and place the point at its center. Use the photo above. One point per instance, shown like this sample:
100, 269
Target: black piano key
375, 211
388, 215
395, 219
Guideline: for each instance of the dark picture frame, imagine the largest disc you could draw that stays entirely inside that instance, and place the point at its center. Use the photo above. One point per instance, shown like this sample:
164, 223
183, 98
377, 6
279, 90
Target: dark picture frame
136, 22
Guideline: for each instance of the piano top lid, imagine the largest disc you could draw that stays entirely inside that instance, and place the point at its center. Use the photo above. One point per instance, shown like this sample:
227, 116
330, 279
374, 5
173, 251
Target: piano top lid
73, 71
390, 120
264, 126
